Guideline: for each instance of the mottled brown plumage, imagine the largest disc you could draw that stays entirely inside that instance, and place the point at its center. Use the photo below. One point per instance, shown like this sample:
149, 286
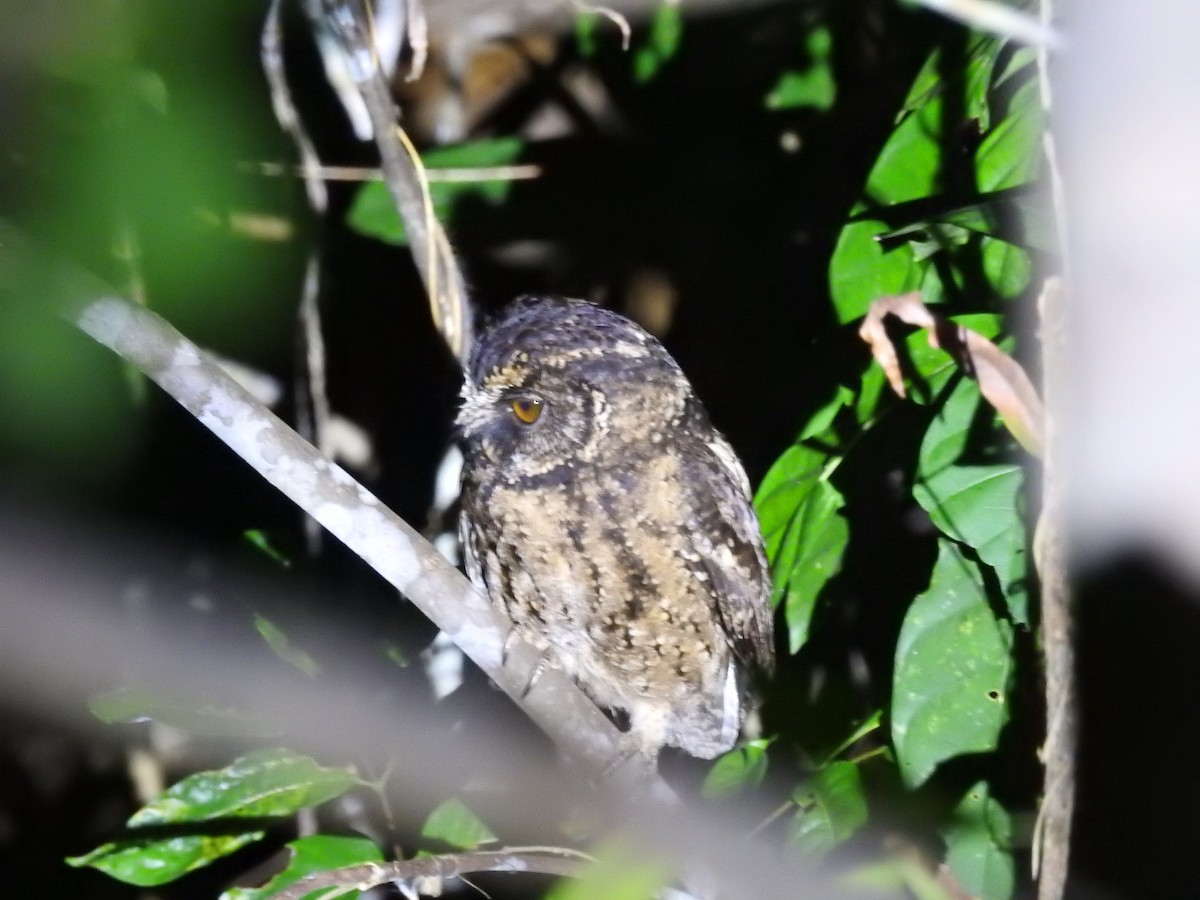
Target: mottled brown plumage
612, 523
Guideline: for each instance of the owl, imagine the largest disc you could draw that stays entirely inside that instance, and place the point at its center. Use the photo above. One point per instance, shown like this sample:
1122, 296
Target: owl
612, 524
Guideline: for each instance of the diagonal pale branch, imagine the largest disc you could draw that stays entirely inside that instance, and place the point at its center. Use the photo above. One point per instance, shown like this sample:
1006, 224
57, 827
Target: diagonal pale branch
1002, 381
331, 496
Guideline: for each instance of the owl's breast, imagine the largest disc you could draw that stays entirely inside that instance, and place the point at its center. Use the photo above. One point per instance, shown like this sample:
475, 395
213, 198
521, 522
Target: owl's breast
599, 565
536, 559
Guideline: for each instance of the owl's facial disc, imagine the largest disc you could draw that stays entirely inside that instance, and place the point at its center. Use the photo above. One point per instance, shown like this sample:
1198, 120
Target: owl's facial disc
532, 424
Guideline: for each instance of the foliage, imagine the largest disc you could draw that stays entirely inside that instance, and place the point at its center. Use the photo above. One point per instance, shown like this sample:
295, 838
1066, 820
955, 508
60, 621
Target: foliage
374, 212
263, 784
955, 653
453, 823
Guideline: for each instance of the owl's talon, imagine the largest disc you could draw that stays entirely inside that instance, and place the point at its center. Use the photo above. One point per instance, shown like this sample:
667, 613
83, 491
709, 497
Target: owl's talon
539, 670
617, 762
630, 766
506, 647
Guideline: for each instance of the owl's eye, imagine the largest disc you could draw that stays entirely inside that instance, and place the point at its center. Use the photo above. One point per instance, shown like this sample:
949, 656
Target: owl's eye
527, 409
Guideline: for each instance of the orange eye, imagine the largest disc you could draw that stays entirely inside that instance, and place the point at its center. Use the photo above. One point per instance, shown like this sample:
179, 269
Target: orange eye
527, 409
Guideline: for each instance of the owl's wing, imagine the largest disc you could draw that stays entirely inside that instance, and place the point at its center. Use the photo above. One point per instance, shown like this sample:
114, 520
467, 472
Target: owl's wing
729, 543
469, 538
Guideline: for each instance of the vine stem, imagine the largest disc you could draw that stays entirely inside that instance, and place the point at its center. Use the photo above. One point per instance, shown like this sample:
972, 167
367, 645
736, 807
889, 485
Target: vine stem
1052, 833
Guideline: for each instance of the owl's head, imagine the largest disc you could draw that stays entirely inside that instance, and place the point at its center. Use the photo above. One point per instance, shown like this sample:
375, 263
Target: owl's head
554, 381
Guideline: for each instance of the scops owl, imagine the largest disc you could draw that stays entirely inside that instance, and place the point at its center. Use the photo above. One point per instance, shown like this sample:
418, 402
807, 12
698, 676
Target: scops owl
604, 514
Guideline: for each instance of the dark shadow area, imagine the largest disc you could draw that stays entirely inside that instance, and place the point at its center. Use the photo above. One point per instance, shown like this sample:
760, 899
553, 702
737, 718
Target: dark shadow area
1135, 827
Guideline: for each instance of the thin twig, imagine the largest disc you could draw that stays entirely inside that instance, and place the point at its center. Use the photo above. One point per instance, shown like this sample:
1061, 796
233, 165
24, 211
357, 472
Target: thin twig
271, 49
313, 416
612, 15
369, 875
418, 37
314, 422
465, 175
432, 227
346, 20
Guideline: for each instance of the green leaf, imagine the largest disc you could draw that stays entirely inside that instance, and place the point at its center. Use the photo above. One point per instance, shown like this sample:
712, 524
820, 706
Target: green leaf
309, 855
646, 64
455, 824
953, 663
803, 535
871, 723
784, 488
259, 540
1007, 267
926, 86
820, 421
373, 212
666, 30
907, 166
813, 86
586, 26
620, 872
278, 641
862, 270
1010, 154
981, 63
195, 716
982, 217
976, 505
264, 783
740, 768
978, 846
816, 540
934, 367
1021, 58
833, 807
870, 390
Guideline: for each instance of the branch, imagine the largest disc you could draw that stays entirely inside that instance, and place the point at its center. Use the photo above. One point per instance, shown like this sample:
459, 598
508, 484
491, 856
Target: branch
1052, 835
431, 251
997, 18
271, 51
368, 875
331, 496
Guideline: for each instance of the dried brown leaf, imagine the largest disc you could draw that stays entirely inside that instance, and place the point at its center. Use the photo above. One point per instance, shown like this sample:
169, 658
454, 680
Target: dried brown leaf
1002, 381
